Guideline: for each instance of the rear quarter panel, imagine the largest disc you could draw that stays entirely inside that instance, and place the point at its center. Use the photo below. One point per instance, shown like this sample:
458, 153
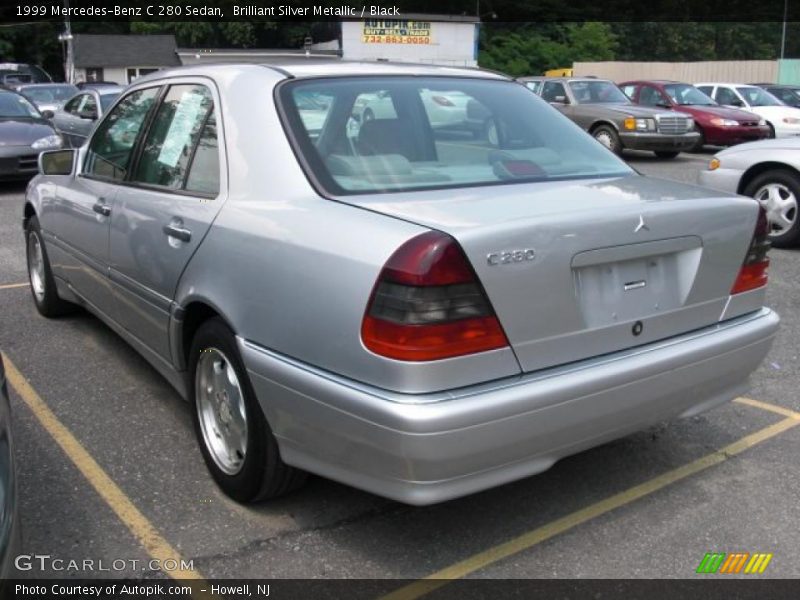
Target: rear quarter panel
292, 271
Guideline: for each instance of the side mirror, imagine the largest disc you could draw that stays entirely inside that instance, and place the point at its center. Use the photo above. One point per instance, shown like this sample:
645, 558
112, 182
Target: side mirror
89, 114
560, 100
57, 162
737, 103
48, 114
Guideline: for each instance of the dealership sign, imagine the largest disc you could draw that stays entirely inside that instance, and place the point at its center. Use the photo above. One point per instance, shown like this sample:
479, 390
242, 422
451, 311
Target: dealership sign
396, 32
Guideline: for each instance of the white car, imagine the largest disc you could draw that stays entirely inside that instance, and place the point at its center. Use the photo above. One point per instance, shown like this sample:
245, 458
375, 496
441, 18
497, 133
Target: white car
783, 121
769, 171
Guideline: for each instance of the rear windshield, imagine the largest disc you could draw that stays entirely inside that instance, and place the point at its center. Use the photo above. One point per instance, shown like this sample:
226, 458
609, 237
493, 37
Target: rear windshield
107, 100
50, 93
370, 134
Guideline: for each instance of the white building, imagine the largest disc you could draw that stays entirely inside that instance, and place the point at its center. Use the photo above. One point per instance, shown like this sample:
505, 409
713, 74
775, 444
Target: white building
120, 58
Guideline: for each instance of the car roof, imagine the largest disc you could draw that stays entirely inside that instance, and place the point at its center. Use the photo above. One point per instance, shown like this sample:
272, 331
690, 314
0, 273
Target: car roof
106, 89
726, 83
303, 67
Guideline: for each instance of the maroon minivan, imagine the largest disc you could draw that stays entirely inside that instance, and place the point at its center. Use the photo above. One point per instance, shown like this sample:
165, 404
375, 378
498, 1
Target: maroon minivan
718, 126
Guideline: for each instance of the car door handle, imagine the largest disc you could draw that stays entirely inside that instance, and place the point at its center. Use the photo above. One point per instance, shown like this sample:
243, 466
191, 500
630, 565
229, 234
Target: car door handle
178, 232
101, 208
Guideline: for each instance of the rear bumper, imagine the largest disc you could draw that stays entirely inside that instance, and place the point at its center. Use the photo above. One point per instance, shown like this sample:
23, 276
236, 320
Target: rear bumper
418, 451
658, 142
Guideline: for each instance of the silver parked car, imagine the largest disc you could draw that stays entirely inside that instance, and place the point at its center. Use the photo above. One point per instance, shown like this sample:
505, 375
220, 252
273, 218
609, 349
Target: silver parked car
78, 115
379, 302
769, 171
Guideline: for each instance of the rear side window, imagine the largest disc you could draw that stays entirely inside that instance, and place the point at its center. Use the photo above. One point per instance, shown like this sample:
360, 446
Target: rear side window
112, 144
169, 148
381, 134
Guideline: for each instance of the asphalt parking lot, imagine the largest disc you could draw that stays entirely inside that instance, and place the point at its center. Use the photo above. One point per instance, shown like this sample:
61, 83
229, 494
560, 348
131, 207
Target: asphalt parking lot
109, 469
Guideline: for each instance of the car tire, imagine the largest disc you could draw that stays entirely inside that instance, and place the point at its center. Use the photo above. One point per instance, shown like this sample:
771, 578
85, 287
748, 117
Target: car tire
778, 191
609, 137
235, 439
701, 142
665, 154
40, 275
771, 135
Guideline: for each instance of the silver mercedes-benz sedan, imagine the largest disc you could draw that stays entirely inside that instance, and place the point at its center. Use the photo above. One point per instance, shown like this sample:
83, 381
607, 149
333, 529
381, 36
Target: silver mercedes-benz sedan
417, 311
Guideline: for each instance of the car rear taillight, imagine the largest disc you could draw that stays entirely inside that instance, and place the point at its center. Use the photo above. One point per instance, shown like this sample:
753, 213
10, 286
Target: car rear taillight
428, 304
442, 101
754, 271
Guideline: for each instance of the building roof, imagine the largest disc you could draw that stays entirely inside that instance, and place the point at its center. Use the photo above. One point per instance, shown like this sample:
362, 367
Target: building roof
124, 51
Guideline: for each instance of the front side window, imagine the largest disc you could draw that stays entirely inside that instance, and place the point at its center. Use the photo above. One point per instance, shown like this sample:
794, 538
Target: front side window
74, 105
110, 150
757, 97
553, 91
650, 96
727, 97
384, 134
169, 147
629, 90
597, 92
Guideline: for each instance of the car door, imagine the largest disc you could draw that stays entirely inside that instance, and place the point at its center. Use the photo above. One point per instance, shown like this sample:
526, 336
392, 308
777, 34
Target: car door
164, 211
66, 118
80, 217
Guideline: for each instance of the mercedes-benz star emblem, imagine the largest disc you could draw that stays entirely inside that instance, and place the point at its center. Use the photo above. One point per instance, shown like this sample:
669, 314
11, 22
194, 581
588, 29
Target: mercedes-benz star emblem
642, 226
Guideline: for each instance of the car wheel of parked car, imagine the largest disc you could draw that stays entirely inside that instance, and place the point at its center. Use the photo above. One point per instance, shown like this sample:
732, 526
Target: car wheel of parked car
234, 436
771, 131
43, 286
778, 192
701, 141
607, 136
664, 154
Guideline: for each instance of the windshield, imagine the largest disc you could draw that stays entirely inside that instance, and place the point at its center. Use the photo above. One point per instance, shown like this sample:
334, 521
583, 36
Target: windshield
16, 106
383, 134
597, 92
49, 93
107, 100
687, 95
757, 97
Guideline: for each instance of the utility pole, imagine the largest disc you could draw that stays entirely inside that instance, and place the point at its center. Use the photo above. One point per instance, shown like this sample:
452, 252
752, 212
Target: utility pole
783, 35
66, 38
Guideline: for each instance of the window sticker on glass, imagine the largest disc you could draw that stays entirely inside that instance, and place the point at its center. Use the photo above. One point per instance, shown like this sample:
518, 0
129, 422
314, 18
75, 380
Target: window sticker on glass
187, 114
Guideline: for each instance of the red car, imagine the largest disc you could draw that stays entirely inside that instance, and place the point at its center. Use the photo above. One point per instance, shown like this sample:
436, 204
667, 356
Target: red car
718, 126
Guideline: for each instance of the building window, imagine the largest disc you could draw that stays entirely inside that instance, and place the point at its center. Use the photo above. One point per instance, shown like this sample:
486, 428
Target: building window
94, 74
136, 72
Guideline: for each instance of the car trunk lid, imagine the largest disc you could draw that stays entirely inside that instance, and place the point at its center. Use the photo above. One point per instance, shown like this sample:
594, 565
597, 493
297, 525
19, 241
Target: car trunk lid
576, 269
